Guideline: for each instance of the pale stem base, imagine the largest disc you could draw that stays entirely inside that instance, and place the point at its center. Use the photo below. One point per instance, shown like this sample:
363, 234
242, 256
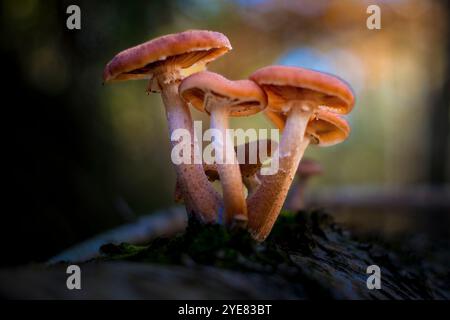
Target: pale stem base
198, 194
228, 168
265, 204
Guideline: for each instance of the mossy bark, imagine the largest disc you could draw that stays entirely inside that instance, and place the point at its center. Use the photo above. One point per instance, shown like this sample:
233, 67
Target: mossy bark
306, 256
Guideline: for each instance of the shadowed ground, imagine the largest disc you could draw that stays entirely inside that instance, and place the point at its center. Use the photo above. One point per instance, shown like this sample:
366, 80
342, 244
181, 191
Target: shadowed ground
306, 256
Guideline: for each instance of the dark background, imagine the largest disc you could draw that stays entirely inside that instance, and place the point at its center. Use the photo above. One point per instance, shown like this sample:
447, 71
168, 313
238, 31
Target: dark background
61, 189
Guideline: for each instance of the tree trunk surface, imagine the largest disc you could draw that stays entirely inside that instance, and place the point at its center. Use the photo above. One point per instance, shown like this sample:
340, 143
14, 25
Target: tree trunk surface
307, 256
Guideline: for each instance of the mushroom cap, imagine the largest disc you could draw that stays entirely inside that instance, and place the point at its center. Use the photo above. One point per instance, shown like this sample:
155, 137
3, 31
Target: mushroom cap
278, 119
283, 84
247, 169
211, 171
327, 129
245, 97
182, 50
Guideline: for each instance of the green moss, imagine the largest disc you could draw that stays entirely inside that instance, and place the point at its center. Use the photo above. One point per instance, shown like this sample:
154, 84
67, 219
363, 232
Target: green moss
217, 246
306, 251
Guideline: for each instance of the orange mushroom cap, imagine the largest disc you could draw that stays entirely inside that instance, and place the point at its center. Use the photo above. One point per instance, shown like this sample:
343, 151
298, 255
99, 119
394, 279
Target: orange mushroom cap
278, 119
283, 84
245, 96
182, 50
327, 129
247, 168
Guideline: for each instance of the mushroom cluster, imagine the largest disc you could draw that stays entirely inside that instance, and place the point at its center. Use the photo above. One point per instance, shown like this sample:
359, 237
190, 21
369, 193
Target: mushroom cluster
304, 104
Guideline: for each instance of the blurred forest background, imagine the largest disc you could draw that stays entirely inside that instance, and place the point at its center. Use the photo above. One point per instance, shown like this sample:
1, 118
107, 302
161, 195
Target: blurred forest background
84, 158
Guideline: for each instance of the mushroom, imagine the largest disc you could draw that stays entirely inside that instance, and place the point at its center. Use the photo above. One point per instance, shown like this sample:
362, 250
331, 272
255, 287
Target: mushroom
324, 129
165, 61
221, 98
278, 119
212, 173
295, 93
249, 171
306, 169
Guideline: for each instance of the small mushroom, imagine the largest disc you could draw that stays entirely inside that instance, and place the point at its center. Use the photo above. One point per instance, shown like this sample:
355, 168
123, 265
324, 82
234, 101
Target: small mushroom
307, 169
324, 129
212, 172
221, 98
164, 62
249, 171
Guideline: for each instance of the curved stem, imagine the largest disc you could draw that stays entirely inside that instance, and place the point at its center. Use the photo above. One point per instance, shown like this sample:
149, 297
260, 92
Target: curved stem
252, 183
228, 167
198, 194
265, 204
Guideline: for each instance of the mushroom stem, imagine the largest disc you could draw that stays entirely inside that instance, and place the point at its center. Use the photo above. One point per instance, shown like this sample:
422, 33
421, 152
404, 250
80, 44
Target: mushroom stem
228, 167
265, 204
251, 183
198, 194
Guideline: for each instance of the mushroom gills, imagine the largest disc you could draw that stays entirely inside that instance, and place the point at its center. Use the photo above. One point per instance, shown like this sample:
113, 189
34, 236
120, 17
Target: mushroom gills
279, 95
184, 60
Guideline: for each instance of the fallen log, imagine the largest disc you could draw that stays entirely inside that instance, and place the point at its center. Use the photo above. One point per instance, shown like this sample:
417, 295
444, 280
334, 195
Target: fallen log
306, 256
